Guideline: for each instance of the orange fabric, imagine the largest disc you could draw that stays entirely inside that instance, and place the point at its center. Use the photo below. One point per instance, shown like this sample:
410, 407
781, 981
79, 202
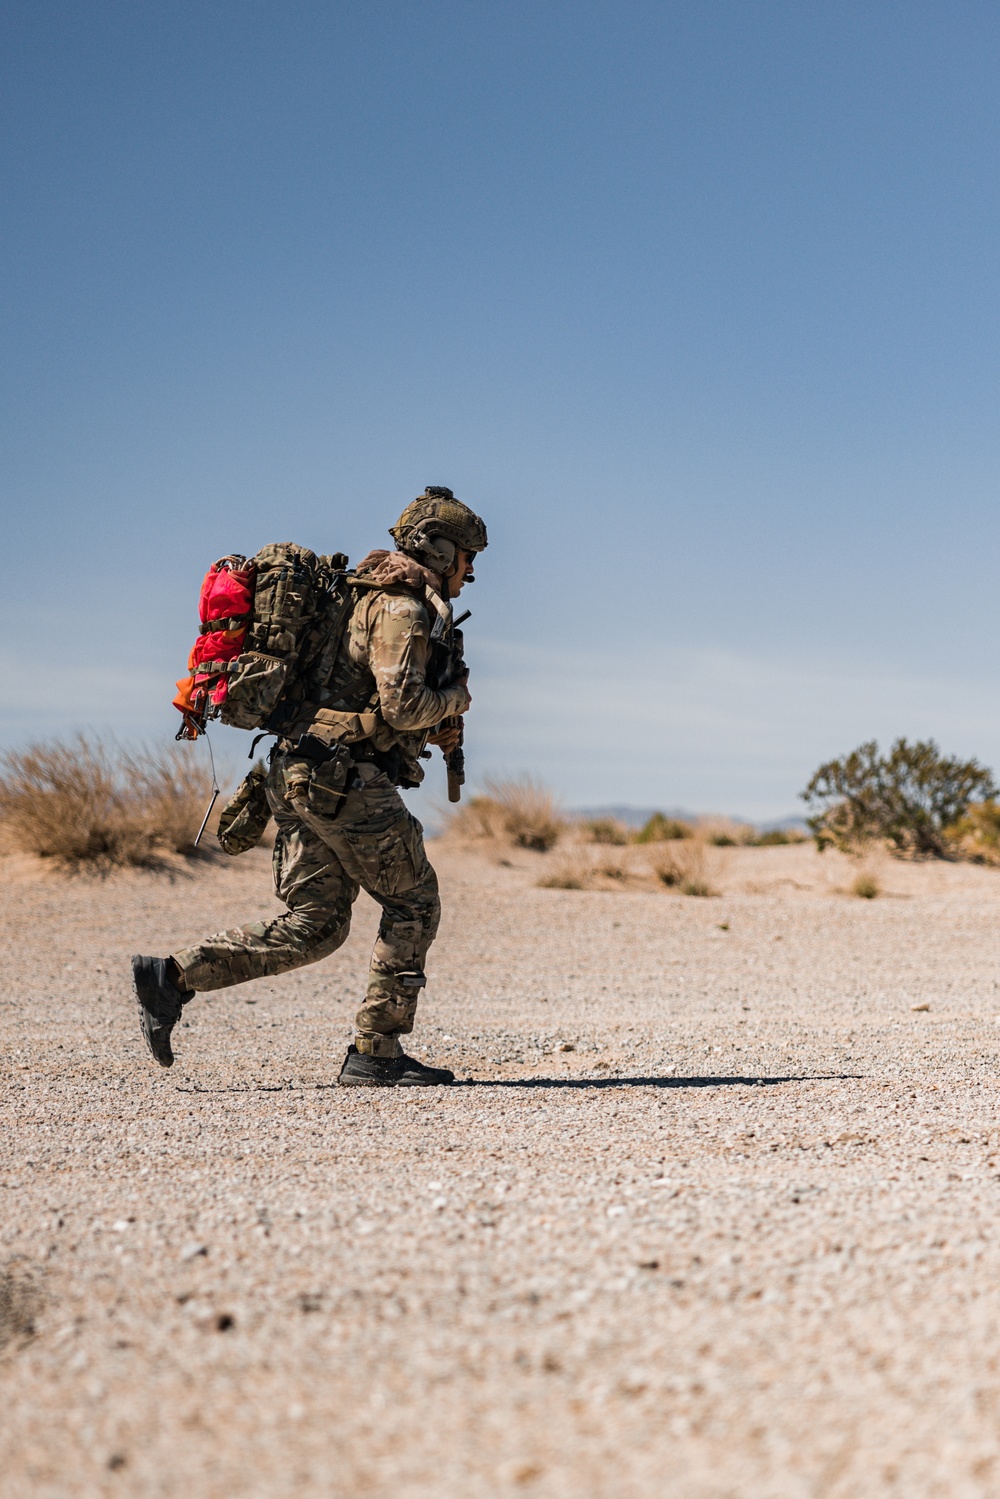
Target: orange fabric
185, 690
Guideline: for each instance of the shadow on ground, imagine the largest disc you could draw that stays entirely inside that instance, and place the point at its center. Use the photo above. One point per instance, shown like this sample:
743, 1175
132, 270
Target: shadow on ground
654, 1082
564, 1082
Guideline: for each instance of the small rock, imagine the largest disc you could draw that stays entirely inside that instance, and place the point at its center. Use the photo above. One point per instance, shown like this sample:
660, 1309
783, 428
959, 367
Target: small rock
566, 1046
922, 1006
192, 1251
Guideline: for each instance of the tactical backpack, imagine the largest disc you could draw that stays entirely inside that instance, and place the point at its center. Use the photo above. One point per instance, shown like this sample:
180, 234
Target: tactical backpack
271, 626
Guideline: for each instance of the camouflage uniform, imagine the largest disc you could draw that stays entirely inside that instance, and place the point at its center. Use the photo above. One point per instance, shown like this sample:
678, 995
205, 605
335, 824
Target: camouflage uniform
342, 824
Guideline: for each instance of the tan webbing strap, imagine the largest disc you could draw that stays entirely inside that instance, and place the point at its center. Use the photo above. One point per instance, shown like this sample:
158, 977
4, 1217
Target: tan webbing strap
214, 668
440, 606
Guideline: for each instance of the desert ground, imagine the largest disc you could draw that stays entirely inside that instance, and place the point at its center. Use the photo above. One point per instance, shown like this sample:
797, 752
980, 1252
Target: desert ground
715, 1211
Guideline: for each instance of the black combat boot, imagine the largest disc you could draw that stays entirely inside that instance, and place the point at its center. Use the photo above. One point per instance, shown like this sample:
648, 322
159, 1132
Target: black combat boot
414, 1074
160, 1004
363, 1071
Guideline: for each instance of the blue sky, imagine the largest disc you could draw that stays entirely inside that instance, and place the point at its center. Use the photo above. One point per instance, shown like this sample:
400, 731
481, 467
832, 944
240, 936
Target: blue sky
695, 302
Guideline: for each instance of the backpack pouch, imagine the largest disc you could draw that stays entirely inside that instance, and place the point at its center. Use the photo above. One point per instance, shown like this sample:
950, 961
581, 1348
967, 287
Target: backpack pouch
256, 683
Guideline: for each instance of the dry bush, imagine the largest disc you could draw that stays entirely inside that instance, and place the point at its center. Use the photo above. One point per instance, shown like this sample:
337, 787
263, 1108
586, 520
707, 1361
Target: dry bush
567, 873
976, 835
174, 791
866, 886
582, 867
691, 866
480, 819
608, 867
606, 830
663, 829
724, 832
778, 838
85, 805
871, 865
521, 812
531, 816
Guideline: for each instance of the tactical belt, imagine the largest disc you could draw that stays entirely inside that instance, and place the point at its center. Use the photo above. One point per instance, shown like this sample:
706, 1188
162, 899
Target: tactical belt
308, 747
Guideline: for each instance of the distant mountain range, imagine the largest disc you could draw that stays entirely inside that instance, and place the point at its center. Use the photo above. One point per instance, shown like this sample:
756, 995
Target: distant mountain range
637, 817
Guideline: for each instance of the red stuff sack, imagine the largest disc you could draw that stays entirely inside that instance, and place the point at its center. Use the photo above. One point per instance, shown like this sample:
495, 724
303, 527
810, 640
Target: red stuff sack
225, 609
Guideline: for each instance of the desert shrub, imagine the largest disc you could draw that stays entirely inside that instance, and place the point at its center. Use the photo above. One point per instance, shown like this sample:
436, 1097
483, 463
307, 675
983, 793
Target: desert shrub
529, 813
173, 789
908, 798
567, 873
866, 886
976, 835
777, 838
581, 866
663, 829
522, 811
607, 830
83, 804
690, 866
724, 832
480, 818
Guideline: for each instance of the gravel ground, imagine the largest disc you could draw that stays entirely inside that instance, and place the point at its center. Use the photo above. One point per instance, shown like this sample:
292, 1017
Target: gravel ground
715, 1214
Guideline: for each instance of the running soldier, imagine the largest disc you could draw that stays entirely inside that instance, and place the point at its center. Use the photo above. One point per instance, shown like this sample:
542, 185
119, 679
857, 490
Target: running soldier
341, 823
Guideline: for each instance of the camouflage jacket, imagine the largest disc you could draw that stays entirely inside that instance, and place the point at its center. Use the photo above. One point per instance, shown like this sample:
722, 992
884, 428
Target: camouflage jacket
386, 658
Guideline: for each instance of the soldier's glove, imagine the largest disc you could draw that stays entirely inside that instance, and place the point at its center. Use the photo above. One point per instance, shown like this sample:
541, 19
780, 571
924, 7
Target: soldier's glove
446, 737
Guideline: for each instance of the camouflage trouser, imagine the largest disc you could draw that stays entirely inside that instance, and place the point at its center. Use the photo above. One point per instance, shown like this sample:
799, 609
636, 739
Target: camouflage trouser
320, 861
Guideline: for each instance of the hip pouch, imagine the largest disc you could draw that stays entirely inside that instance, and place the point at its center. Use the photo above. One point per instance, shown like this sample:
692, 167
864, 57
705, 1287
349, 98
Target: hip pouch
330, 781
245, 815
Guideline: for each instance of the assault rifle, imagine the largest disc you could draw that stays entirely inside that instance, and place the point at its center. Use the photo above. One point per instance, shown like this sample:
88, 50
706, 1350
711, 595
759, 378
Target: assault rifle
453, 666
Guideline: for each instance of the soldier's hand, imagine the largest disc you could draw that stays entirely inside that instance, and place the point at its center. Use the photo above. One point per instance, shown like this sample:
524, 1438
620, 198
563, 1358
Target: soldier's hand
446, 739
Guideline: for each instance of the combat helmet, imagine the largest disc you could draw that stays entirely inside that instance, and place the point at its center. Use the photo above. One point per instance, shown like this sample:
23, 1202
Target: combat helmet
433, 517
